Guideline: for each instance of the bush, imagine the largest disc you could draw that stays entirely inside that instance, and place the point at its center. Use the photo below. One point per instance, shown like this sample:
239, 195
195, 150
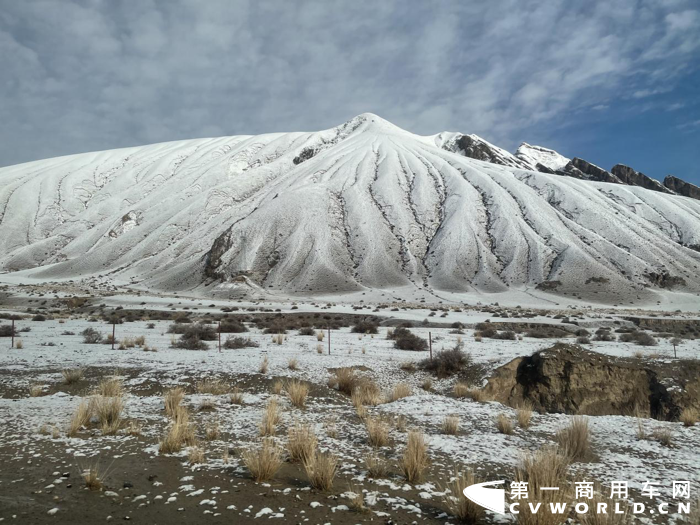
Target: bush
6, 330
508, 335
194, 331
365, 327
232, 327
39, 317
546, 333
190, 343
583, 340
235, 343
407, 340
91, 336
603, 334
447, 362
307, 330
640, 338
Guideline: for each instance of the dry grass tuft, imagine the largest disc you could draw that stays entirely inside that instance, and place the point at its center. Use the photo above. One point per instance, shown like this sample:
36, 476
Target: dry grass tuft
36, 390
478, 395
319, 349
110, 387
377, 431
524, 415
72, 375
504, 424
212, 430
293, 364
270, 419
415, 459
195, 455
427, 385
377, 467
264, 461
301, 443
134, 428
172, 399
610, 517
207, 403
264, 366
461, 507
367, 392
330, 427
344, 379
277, 387
19, 344
575, 440
81, 418
356, 499
94, 476
321, 469
180, 433
400, 391
461, 390
545, 468
109, 413
236, 396
319, 335
297, 392
213, 386
664, 436
689, 417
450, 425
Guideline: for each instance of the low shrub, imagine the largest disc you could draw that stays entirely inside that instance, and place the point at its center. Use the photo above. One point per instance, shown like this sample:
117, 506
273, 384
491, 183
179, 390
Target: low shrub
365, 327
447, 362
238, 342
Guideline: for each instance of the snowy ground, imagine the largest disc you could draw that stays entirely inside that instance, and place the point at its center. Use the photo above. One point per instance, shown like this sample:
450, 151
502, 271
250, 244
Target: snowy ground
620, 456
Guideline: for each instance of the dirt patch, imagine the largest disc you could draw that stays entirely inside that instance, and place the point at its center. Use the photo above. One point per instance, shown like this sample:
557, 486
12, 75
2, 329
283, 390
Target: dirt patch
568, 379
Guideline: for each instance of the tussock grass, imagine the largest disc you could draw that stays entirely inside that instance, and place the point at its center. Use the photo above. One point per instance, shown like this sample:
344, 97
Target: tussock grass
94, 476
524, 415
36, 390
504, 424
459, 506
110, 387
478, 395
356, 499
460, 390
72, 375
297, 392
575, 440
80, 418
270, 419
377, 467
301, 443
236, 396
180, 433
321, 469
264, 365
609, 517
427, 385
377, 431
212, 430
172, 399
400, 391
367, 392
547, 467
663, 435
277, 387
134, 428
319, 349
207, 403
319, 335
263, 461
344, 379
414, 460
450, 425
195, 455
330, 427
213, 386
689, 417
293, 364
109, 413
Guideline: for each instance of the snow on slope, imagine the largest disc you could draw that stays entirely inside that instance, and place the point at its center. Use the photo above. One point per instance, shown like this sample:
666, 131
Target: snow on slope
363, 205
534, 155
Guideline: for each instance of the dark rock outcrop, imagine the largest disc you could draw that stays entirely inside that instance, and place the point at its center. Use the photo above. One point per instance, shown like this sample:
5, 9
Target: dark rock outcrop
682, 187
475, 147
593, 172
568, 379
631, 177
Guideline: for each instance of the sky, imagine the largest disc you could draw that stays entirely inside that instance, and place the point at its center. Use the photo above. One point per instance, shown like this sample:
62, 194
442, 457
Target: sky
610, 81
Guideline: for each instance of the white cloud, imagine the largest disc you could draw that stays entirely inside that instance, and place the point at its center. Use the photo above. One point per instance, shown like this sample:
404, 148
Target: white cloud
81, 75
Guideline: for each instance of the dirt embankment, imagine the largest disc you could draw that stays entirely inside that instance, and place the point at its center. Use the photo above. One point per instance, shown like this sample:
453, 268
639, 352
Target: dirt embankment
568, 379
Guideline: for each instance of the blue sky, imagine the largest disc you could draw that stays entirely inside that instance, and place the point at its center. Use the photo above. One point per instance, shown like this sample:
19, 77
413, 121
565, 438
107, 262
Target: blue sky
612, 81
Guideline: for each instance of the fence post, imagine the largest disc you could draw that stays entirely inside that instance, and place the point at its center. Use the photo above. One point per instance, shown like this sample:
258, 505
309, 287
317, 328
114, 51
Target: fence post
114, 331
329, 340
430, 343
12, 344
219, 336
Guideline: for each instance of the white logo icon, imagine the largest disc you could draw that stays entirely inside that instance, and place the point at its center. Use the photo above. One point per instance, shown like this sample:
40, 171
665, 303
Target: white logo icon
491, 499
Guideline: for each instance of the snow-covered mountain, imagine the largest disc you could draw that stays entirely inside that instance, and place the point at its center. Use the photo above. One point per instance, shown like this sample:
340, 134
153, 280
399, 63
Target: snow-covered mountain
365, 205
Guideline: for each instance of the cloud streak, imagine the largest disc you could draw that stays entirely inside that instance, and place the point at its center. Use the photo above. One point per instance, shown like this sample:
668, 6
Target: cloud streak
84, 75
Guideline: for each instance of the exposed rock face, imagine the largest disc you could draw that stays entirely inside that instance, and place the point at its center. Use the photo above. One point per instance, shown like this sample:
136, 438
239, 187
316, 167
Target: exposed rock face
635, 178
682, 187
593, 172
475, 147
568, 379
